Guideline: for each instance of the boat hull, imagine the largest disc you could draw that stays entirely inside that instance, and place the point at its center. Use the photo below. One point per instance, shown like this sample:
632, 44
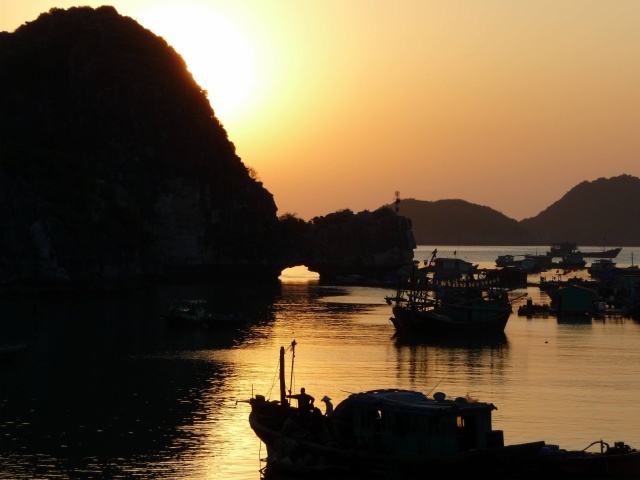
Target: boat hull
292, 451
613, 253
451, 321
618, 462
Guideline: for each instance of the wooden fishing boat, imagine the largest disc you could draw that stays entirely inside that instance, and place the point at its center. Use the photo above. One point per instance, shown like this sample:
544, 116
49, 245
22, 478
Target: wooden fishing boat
466, 305
383, 432
397, 433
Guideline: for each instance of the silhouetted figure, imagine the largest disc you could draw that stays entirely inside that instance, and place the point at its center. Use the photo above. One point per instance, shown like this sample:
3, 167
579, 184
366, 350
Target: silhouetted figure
329, 406
305, 403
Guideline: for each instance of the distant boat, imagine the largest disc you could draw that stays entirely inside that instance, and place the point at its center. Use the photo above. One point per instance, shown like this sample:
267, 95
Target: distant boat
444, 267
561, 249
611, 253
558, 250
572, 260
507, 261
543, 262
601, 265
194, 313
187, 312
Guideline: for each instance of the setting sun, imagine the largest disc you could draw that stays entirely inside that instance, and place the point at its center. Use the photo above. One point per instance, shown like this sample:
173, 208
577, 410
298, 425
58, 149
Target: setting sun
217, 52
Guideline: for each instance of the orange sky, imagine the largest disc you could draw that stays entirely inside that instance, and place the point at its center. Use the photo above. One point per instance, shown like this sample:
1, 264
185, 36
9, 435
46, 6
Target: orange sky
339, 103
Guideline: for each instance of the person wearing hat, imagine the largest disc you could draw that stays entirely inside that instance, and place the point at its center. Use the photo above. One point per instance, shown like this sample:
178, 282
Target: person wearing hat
329, 406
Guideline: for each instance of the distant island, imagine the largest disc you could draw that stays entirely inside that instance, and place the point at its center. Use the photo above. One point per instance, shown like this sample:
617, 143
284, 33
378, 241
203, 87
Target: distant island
603, 212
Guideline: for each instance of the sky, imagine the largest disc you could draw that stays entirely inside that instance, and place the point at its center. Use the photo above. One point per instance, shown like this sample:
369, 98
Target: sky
338, 104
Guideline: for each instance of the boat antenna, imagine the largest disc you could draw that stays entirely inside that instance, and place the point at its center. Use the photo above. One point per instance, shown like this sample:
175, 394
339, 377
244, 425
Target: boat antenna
432, 388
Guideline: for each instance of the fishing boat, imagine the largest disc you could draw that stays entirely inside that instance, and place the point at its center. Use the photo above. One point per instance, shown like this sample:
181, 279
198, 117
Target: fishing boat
383, 432
565, 248
184, 313
611, 253
601, 265
531, 309
398, 433
561, 249
466, 305
507, 260
572, 261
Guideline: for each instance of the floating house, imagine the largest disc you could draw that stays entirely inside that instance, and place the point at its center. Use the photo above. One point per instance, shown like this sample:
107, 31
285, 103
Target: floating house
575, 300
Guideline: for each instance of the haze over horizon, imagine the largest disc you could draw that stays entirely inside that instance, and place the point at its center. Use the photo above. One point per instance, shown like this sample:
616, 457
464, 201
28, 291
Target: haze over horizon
339, 104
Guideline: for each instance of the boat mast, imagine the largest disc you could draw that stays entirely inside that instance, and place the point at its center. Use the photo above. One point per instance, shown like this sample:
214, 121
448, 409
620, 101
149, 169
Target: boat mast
293, 357
283, 392
283, 388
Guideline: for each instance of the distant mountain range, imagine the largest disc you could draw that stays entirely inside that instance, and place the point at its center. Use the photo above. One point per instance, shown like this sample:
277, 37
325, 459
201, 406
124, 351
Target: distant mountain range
605, 212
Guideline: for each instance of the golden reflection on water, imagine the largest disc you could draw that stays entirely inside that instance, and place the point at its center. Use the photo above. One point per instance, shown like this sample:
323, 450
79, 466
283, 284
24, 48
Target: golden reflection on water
568, 382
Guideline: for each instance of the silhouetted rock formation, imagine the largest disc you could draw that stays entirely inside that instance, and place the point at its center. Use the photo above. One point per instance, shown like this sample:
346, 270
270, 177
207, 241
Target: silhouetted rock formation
457, 222
605, 210
115, 170
367, 244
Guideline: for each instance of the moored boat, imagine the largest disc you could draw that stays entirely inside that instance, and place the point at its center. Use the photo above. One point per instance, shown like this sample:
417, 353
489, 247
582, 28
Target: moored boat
184, 313
464, 305
572, 261
507, 260
601, 265
386, 432
611, 253
398, 433
565, 248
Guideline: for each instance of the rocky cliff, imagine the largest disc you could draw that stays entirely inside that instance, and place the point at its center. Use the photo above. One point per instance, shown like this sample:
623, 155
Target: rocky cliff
115, 171
368, 245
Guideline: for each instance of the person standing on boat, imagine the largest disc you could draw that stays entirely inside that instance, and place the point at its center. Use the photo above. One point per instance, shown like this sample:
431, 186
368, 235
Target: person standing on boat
305, 402
329, 406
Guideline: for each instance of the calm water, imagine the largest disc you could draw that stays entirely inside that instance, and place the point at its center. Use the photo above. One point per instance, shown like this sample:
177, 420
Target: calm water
106, 390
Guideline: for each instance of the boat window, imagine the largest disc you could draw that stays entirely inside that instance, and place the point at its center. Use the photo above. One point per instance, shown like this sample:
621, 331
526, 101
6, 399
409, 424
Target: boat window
460, 422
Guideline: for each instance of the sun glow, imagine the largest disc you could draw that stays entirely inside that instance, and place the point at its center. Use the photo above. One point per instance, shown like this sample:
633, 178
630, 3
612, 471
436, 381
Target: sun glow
218, 54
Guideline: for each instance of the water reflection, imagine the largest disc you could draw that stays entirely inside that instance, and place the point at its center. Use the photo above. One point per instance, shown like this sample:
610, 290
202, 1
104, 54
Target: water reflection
107, 390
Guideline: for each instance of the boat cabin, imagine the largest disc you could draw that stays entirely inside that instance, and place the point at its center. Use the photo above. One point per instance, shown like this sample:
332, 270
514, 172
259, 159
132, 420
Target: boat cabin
450, 268
400, 422
506, 261
601, 265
